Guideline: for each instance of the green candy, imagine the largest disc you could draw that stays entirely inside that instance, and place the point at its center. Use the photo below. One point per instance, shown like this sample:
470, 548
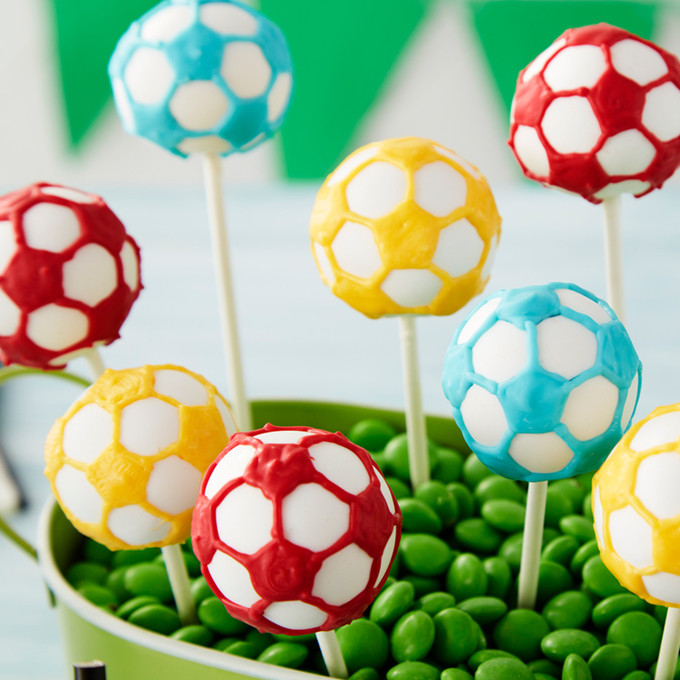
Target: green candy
582, 555
421, 584
222, 644
156, 617
192, 563
87, 572
503, 669
612, 662
560, 643
213, 614
455, 674
148, 578
476, 534
483, 655
609, 609
579, 527
599, 579
556, 507
572, 489
371, 434
587, 507
520, 632
399, 489
637, 675
561, 550
396, 455
503, 514
456, 637
640, 632
96, 552
123, 558
448, 466
464, 498
419, 517
474, 471
363, 644
466, 577
484, 610
392, 602
98, 595
570, 609
412, 636
432, 603
553, 579
425, 555
440, 499
413, 670
260, 640
365, 674
196, 635
132, 605
115, 581
511, 551
243, 648
576, 668
495, 488
287, 654
545, 667
498, 575
200, 590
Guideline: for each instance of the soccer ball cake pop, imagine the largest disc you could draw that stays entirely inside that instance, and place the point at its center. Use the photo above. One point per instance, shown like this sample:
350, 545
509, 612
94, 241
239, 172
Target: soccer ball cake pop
295, 529
125, 462
210, 76
69, 274
598, 113
405, 226
543, 381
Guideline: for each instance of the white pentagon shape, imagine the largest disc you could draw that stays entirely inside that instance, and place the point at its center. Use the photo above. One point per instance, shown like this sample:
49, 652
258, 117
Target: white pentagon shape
536, 66
225, 414
77, 495
10, 315
565, 347
629, 404
590, 408
340, 465
439, 189
387, 555
74, 195
476, 321
411, 287
231, 466
385, 491
631, 537
148, 76
627, 153
501, 352
657, 483
637, 61
204, 144
135, 526
324, 263
570, 126
90, 275
459, 248
198, 105
483, 416
663, 586
531, 151
51, 227
130, 262
120, 97
245, 519
316, 530
278, 97
342, 576
574, 67
598, 516
8, 244
355, 250
376, 190
232, 579
542, 453
173, 485
55, 328
583, 305
349, 165
167, 24
87, 433
180, 386
627, 186
661, 112
490, 256
147, 426
295, 615
468, 167
245, 69
283, 436
664, 429
228, 19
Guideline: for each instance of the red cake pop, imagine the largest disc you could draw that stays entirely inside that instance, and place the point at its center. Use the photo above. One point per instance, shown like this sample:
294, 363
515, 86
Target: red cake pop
295, 529
69, 274
598, 114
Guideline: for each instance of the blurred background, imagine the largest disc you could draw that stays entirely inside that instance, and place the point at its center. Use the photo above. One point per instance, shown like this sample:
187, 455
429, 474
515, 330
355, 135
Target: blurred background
364, 70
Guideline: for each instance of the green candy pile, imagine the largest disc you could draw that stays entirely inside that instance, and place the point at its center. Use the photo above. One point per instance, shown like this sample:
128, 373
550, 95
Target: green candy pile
447, 611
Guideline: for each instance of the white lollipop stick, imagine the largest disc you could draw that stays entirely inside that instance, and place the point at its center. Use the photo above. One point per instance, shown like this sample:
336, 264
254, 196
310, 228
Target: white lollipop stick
531, 545
670, 645
416, 433
332, 656
179, 582
613, 258
94, 359
225, 291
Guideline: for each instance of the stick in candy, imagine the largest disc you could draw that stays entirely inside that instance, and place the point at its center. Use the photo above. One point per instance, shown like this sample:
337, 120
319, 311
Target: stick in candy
405, 227
543, 381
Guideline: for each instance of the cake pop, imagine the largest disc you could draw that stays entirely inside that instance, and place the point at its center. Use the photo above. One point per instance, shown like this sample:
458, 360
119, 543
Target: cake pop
598, 113
69, 274
295, 529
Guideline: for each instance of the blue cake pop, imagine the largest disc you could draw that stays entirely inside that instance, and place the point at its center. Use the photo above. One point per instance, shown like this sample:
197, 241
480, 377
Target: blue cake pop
211, 76
543, 381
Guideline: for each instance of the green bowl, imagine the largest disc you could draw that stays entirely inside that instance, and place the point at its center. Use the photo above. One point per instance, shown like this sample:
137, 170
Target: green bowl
131, 653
